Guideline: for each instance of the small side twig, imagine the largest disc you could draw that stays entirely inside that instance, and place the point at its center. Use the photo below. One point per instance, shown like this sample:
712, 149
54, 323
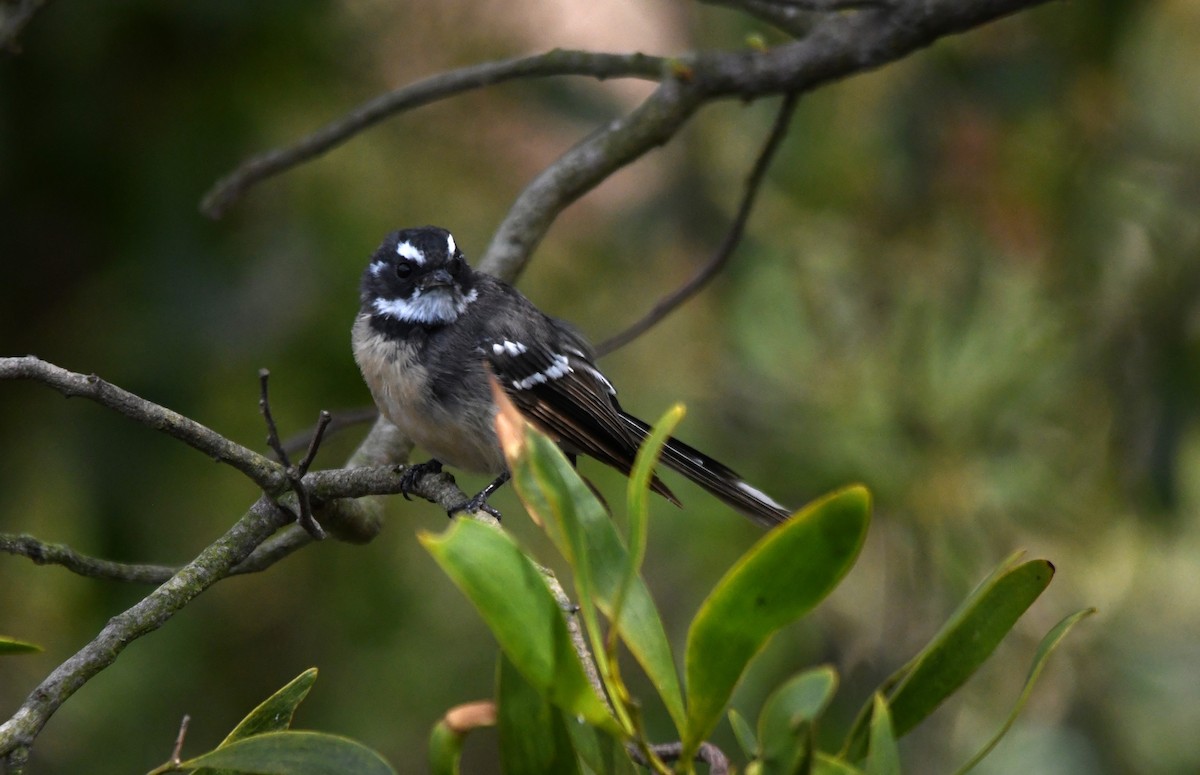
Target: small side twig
295, 474
720, 258
339, 421
177, 751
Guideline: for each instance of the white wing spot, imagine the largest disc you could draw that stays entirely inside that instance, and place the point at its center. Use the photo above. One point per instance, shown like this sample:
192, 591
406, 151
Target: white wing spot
410, 251
450, 246
758, 494
514, 348
559, 368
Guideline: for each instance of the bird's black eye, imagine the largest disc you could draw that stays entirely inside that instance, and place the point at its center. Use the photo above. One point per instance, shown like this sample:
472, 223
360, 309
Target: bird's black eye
455, 266
404, 270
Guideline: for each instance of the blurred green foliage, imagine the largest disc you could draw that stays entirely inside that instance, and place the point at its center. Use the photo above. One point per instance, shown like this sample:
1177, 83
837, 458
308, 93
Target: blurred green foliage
971, 283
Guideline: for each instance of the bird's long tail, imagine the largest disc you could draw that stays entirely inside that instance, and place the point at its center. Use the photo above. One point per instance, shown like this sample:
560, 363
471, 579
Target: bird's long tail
719, 480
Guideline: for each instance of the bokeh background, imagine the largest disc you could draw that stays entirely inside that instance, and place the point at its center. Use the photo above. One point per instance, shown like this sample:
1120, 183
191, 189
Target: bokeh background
972, 283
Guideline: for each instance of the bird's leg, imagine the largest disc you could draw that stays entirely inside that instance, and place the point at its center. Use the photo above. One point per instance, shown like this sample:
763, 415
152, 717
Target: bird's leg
479, 502
408, 480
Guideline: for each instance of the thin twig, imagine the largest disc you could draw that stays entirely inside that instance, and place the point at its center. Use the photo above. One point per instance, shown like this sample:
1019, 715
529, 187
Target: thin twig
323, 420
720, 258
333, 488
177, 752
304, 514
267, 474
60, 554
340, 421
552, 63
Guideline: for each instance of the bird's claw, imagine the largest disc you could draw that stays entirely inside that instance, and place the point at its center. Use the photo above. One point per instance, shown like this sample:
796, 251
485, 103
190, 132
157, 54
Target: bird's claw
408, 480
477, 503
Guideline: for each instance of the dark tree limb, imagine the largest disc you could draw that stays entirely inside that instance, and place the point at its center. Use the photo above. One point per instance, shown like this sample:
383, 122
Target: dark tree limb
721, 256
211, 565
557, 62
263, 471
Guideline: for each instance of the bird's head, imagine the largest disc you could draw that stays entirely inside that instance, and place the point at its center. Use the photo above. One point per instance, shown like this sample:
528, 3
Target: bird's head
418, 277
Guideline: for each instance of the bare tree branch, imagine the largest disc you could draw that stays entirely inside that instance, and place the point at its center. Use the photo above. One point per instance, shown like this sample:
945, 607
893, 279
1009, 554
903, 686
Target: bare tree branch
557, 62
263, 471
43, 553
838, 45
211, 565
720, 258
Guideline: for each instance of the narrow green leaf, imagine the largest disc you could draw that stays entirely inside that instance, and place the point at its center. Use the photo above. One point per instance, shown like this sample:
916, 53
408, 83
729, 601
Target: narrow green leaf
13, 646
788, 713
781, 578
276, 712
512, 597
883, 757
1044, 650
294, 753
744, 734
545, 471
533, 736
637, 498
272, 715
959, 648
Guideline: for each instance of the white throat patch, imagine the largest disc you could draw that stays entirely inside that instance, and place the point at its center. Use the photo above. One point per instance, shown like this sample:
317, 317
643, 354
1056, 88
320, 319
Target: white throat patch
434, 308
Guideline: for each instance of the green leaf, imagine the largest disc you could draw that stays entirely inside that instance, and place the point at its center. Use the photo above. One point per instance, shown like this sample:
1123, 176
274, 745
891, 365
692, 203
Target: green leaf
13, 646
789, 570
637, 499
744, 734
958, 649
787, 718
533, 736
294, 753
512, 597
272, 715
827, 764
1044, 650
276, 712
583, 532
883, 757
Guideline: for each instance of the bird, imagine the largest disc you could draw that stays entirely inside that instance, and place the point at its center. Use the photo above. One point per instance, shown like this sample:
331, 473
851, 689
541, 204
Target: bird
429, 330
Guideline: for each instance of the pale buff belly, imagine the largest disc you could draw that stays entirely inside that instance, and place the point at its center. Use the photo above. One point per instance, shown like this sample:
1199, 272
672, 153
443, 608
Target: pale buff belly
452, 434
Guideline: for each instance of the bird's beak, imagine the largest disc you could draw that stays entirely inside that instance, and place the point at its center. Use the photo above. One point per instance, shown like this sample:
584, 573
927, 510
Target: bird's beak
437, 279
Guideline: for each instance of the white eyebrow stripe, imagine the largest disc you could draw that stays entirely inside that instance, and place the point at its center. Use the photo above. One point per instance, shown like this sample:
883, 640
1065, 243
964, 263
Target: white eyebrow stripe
410, 251
377, 267
450, 246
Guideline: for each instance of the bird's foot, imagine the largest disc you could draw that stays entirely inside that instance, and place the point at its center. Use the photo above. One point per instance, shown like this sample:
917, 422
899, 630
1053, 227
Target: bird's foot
408, 480
479, 501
